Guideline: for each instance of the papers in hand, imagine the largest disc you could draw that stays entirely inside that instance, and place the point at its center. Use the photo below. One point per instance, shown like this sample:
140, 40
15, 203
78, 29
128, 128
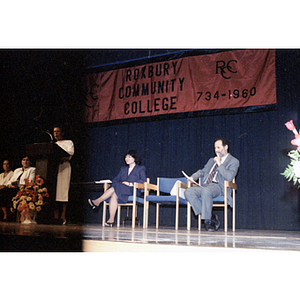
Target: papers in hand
191, 179
103, 181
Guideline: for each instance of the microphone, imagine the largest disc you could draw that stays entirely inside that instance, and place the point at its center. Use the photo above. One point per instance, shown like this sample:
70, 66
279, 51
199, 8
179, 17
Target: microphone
47, 131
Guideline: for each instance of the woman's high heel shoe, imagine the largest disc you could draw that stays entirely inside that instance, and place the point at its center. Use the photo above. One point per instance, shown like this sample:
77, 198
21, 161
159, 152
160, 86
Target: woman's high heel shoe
93, 206
108, 224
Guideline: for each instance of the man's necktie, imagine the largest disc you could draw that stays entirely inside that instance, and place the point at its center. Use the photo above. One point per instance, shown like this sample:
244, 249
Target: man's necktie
212, 174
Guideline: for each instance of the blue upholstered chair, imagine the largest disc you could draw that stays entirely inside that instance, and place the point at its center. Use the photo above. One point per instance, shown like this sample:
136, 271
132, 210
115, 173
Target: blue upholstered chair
131, 202
221, 201
162, 197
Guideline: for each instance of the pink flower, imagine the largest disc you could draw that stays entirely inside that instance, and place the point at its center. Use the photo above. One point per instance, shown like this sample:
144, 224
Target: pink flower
290, 125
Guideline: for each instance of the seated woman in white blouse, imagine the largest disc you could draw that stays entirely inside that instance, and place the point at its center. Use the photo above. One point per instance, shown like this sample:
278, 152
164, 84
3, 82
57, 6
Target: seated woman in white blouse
5, 193
20, 174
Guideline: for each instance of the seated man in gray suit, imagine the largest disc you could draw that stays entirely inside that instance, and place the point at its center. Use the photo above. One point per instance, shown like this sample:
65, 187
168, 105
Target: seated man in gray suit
222, 167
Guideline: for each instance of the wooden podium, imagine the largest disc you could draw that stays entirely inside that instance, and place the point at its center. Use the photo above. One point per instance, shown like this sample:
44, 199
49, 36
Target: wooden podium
48, 157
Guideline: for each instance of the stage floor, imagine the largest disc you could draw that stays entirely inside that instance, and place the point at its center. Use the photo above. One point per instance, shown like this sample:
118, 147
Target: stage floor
95, 238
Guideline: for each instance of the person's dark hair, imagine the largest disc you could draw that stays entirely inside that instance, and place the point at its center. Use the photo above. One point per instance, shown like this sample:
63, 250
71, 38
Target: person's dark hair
25, 155
135, 155
224, 142
61, 127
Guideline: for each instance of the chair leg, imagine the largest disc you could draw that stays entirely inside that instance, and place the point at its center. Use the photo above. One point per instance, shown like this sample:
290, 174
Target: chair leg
199, 222
225, 218
188, 217
177, 217
104, 213
145, 217
134, 215
233, 218
118, 216
157, 215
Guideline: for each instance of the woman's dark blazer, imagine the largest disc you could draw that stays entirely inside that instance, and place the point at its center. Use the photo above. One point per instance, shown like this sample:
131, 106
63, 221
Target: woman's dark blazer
138, 174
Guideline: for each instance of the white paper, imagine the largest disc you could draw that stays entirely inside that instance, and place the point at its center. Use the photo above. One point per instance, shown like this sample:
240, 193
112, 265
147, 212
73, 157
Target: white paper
181, 190
191, 179
103, 181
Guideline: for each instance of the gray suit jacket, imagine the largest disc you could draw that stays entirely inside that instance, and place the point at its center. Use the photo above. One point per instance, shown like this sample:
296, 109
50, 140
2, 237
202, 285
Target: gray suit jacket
226, 171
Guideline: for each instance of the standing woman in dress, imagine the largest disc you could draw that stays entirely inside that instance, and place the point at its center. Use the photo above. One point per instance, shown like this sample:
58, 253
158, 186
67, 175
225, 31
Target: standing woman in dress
122, 185
63, 176
5, 192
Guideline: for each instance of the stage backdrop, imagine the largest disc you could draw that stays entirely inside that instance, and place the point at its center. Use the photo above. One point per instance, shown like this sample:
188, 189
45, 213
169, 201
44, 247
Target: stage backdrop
231, 79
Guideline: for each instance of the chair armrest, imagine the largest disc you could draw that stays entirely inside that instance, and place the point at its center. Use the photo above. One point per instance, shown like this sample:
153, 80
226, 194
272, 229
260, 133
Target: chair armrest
183, 185
149, 186
230, 184
138, 185
106, 185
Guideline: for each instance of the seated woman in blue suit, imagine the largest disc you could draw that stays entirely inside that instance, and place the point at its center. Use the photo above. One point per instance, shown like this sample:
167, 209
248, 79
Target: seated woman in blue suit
122, 185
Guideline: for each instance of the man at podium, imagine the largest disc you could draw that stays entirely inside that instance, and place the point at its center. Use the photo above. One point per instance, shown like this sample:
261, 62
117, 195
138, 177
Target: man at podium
63, 175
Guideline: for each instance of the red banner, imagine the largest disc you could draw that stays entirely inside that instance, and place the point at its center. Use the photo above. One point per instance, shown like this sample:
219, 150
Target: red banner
231, 79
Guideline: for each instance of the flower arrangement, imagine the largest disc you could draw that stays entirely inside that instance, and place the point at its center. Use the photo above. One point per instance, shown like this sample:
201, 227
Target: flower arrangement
30, 197
292, 171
